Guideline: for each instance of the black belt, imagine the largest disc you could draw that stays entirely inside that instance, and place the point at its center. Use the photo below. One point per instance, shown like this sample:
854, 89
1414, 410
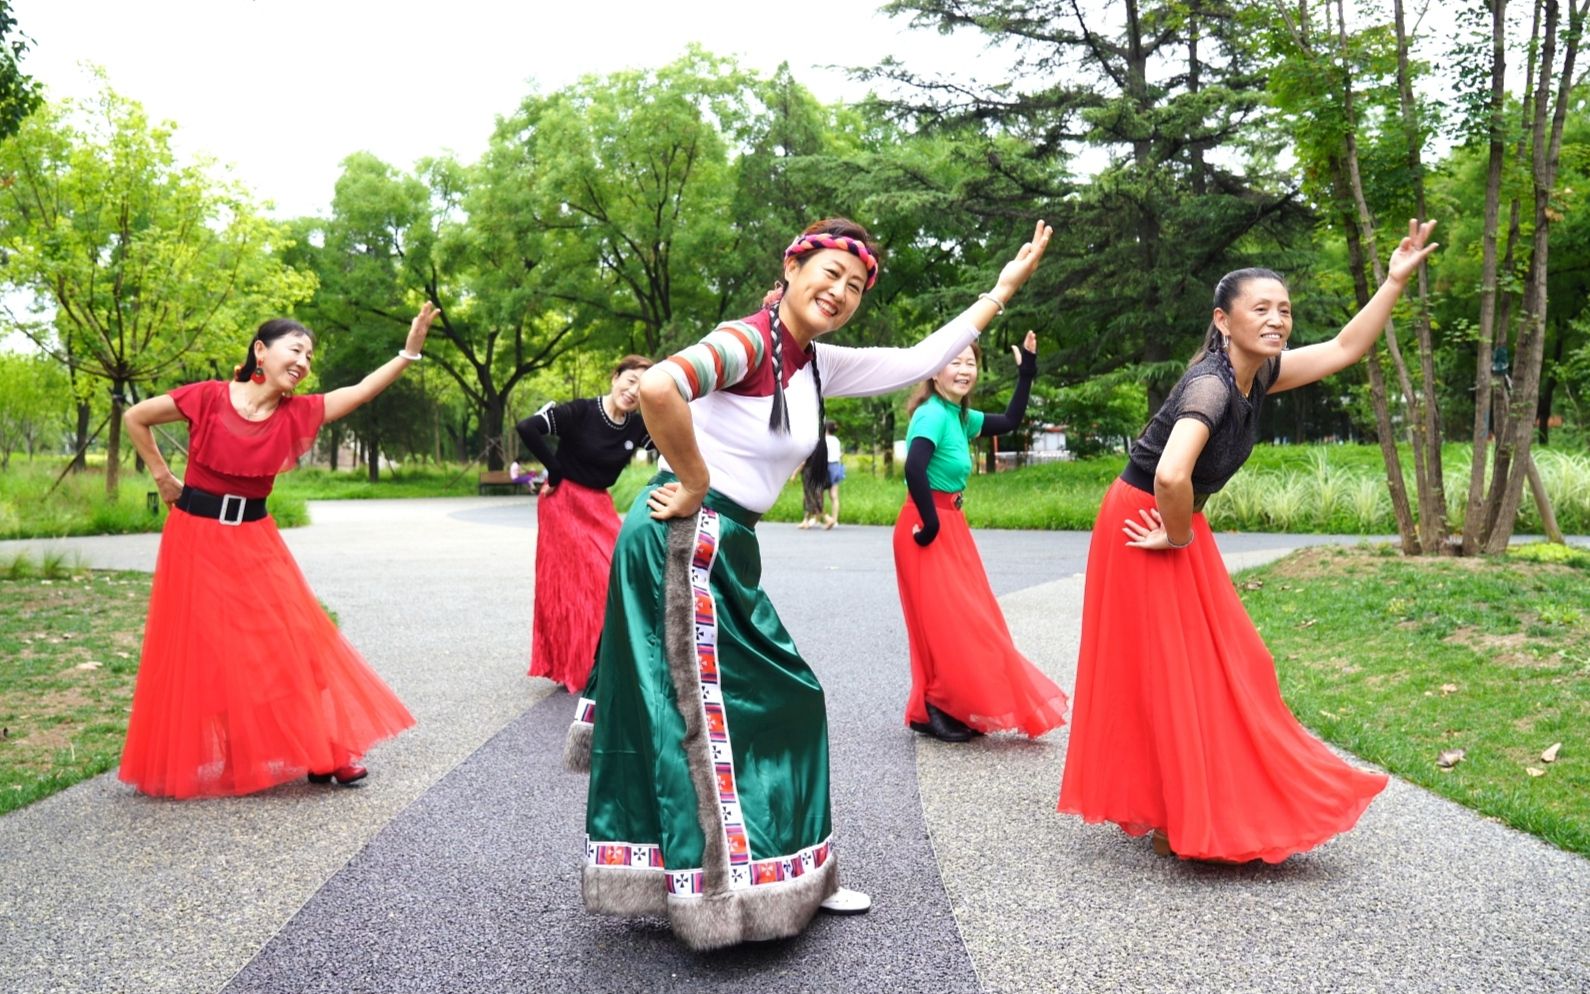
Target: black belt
229, 509
1143, 480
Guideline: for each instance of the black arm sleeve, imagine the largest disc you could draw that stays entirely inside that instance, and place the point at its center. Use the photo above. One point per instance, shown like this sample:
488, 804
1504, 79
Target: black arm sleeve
530, 433
916, 484
999, 424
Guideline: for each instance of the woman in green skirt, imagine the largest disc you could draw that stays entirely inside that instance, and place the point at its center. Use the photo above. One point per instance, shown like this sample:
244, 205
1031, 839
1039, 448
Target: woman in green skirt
704, 729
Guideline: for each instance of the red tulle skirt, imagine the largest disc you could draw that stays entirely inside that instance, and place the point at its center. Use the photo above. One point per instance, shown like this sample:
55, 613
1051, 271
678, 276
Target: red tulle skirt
576, 529
962, 657
244, 682
1178, 721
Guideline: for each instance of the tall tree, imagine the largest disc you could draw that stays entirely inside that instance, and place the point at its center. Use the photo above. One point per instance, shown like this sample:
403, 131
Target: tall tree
19, 92
137, 259
1169, 95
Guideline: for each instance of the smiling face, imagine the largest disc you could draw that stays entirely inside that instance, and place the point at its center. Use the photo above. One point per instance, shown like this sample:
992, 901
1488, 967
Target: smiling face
285, 360
956, 380
823, 290
625, 394
1260, 319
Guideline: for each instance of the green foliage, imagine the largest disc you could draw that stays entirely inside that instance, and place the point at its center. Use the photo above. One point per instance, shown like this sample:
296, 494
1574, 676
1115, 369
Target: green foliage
35, 401
19, 92
146, 263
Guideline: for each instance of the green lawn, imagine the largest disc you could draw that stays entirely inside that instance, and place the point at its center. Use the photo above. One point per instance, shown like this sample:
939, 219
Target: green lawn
69, 642
1401, 660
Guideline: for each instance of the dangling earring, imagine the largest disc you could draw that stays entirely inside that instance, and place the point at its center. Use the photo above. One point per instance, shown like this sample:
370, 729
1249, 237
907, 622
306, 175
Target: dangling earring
1225, 343
258, 376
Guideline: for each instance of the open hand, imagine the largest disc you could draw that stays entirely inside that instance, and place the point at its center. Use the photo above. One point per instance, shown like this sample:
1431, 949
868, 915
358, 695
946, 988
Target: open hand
1149, 533
674, 500
1411, 251
1017, 270
1028, 345
420, 327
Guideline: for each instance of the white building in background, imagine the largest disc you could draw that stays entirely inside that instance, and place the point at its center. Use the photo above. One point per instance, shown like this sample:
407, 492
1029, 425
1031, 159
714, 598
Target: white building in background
1048, 445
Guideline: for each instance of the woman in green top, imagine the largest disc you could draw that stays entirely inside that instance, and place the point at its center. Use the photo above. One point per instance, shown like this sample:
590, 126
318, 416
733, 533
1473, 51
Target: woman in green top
966, 675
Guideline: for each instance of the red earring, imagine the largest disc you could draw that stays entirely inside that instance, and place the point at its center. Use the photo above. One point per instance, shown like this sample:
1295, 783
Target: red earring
258, 376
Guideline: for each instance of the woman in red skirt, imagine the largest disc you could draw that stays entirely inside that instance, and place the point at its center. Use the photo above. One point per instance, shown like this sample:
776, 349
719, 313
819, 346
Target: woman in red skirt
576, 523
1179, 728
967, 677
244, 682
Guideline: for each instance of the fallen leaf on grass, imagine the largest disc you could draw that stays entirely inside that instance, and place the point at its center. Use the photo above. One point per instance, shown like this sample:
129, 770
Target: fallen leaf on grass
92, 664
1450, 758
1308, 623
1253, 585
1534, 772
1328, 714
1550, 755
1448, 688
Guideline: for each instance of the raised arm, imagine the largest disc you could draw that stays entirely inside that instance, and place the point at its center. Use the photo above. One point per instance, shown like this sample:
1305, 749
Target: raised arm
1310, 363
1026, 372
139, 419
345, 400
868, 372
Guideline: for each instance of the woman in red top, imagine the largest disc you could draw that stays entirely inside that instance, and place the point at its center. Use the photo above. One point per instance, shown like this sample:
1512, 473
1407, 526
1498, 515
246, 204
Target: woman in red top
244, 682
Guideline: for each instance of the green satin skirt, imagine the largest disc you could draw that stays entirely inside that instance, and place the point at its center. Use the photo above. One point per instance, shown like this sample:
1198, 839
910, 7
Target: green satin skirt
708, 797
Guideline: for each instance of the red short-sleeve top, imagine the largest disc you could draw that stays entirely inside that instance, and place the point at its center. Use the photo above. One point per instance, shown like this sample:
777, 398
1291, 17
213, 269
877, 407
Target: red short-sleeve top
229, 454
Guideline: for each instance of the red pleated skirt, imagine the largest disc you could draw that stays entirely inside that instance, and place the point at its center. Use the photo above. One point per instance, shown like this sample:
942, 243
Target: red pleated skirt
1178, 722
576, 529
962, 656
244, 682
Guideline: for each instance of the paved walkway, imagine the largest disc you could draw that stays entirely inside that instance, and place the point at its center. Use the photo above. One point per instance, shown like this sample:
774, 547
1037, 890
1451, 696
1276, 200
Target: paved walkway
456, 866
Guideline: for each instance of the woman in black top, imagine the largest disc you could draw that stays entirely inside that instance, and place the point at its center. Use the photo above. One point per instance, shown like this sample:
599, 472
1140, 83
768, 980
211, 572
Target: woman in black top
1178, 726
576, 523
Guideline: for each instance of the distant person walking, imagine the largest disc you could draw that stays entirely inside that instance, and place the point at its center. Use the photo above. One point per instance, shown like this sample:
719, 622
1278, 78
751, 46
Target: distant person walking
244, 682
836, 469
576, 523
1178, 726
967, 677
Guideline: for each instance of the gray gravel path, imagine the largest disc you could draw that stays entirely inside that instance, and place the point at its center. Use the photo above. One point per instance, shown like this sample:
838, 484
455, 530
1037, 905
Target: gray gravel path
455, 867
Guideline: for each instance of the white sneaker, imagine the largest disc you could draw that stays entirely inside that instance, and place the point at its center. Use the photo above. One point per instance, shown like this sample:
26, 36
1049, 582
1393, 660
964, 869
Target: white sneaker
845, 901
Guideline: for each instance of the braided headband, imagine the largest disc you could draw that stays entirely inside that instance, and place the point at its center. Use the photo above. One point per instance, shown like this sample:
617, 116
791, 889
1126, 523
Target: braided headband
811, 243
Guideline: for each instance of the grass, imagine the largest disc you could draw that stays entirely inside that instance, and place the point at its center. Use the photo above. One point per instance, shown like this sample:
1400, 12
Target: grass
29, 509
69, 640
1339, 489
1399, 660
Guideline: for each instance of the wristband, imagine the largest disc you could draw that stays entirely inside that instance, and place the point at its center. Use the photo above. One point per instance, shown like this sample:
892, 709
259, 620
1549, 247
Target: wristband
1183, 545
410, 356
993, 300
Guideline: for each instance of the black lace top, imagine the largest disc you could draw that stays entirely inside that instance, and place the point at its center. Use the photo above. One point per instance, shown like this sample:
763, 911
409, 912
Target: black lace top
1208, 392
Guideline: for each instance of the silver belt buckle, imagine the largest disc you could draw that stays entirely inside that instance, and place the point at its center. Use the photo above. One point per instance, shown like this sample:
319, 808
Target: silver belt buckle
227, 518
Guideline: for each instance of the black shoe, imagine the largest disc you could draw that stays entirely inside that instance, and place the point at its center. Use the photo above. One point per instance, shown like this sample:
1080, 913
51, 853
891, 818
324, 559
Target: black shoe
949, 721
942, 727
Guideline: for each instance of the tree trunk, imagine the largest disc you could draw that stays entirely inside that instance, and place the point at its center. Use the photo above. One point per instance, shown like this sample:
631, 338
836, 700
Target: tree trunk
492, 416
80, 437
113, 440
1473, 511
1426, 426
1386, 435
1518, 432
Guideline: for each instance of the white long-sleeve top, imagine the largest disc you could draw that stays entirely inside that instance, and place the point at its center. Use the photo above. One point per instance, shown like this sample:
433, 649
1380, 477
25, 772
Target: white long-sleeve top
728, 379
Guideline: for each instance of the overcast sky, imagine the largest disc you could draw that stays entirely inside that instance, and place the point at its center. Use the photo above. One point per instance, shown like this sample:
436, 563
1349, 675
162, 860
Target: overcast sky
282, 90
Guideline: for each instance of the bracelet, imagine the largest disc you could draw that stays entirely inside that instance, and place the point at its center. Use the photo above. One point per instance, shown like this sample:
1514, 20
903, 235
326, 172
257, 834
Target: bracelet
1184, 545
410, 356
993, 300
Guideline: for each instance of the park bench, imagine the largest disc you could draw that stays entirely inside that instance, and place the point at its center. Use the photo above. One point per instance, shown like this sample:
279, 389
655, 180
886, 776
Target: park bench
497, 481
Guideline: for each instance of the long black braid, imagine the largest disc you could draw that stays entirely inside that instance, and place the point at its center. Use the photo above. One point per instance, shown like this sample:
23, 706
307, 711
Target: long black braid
778, 420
